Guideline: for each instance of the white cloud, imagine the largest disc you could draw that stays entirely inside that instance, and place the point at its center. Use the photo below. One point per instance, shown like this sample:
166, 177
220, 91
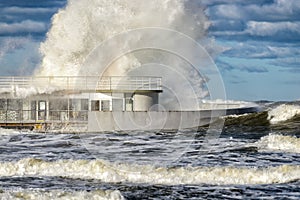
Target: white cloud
270, 29
229, 12
262, 50
27, 10
21, 27
257, 10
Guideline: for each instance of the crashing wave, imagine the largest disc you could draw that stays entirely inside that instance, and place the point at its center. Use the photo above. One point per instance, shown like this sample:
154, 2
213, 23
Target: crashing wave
273, 116
283, 113
279, 143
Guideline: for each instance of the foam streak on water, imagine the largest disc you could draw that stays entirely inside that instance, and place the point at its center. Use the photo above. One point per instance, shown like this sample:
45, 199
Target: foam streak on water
60, 195
109, 172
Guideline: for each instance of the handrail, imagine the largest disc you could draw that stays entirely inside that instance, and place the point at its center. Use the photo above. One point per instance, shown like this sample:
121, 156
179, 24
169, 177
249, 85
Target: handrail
82, 82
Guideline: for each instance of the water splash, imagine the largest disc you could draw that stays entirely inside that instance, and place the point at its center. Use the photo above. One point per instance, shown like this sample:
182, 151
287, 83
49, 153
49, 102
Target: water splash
80, 27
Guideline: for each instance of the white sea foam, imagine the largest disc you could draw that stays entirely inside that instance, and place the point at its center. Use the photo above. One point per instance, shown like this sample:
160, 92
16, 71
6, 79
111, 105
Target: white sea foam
279, 143
4, 131
60, 194
282, 113
111, 172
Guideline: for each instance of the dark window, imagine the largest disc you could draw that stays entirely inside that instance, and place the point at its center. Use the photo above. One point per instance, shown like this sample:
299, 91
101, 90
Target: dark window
95, 105
3, 104
14, 104
105, 105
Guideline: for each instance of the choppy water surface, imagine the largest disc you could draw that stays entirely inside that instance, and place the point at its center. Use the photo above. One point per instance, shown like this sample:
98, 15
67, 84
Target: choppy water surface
256, 156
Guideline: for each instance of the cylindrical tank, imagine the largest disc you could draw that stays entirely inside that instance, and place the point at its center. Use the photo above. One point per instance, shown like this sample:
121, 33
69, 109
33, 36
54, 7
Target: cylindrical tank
144, 101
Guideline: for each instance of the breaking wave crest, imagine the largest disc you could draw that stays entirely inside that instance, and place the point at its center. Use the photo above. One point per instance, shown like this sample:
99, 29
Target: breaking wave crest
252, 119
279, 143
112, 172
59, 194
273, 116
283, 113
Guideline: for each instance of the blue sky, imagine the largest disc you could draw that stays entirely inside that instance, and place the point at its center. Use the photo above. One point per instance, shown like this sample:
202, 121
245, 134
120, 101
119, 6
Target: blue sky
262, 38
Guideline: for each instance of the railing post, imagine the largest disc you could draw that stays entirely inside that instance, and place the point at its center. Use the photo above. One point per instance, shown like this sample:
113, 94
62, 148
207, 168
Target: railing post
13, 84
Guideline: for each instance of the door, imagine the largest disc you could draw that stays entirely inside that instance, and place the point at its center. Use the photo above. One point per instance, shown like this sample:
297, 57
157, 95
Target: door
42, 110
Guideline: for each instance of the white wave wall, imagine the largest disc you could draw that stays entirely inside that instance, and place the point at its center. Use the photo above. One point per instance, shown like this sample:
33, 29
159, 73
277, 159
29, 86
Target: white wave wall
82, 25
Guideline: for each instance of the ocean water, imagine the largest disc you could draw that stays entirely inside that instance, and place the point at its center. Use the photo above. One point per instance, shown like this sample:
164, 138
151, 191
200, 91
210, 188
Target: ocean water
257, 156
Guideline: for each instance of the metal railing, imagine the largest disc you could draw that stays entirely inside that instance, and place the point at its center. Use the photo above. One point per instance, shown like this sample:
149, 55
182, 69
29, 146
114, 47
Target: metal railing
81, 83
33, 116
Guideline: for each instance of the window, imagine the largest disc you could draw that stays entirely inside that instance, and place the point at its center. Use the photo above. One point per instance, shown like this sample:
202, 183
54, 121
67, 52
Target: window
95, 105
3, 104
105, 105
58, 104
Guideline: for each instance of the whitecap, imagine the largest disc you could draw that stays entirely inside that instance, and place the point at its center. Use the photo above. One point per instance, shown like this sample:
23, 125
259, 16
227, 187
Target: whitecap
124, 172
283, 113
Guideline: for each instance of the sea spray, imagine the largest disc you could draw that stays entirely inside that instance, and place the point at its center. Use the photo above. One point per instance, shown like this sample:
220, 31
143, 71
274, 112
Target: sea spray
79, 28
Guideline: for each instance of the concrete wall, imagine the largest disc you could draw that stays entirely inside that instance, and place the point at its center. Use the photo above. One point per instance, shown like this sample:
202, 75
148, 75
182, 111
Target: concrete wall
152, 120
144, 101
